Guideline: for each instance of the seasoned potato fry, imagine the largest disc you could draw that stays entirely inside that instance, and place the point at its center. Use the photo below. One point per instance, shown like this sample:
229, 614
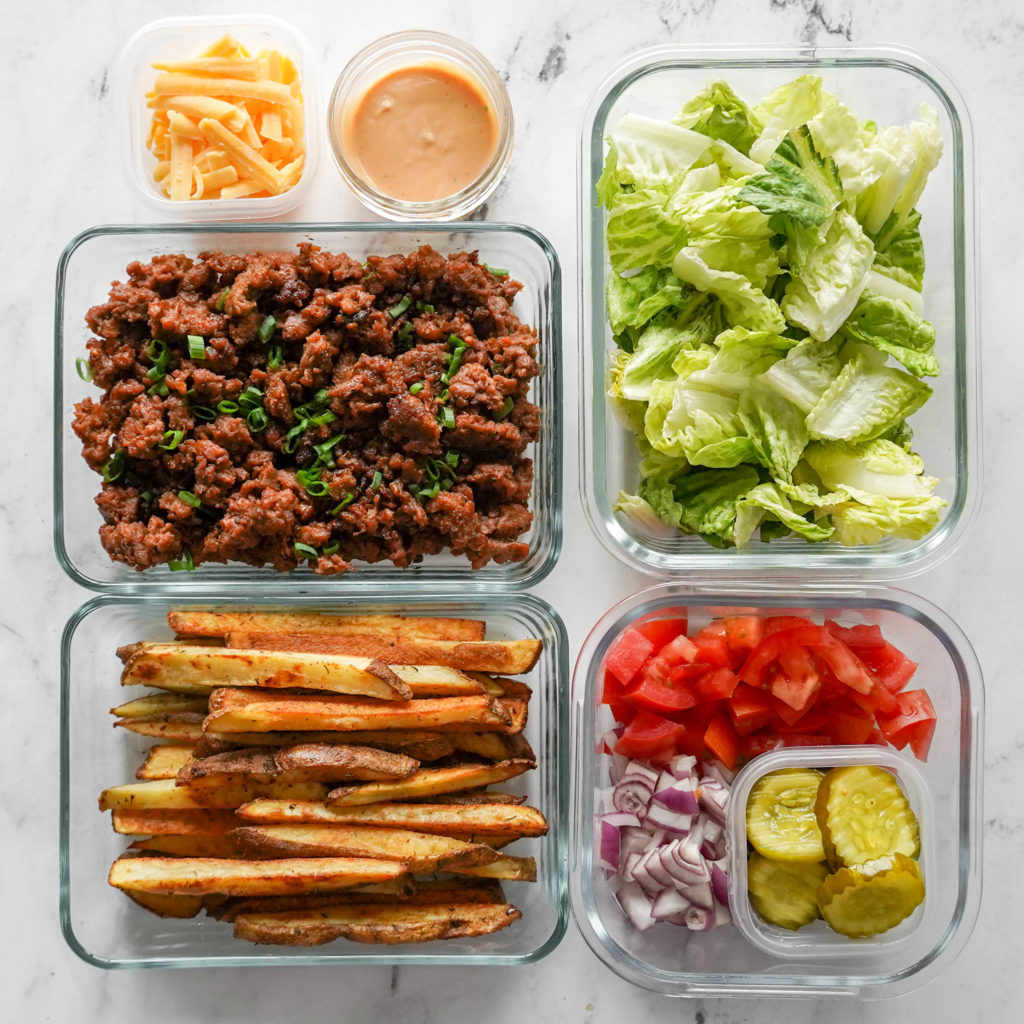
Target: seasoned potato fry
185, 727
247, 710
375, 924
495, 746
224, 794
437, 681
306, 762
429, 781
189, 846
510, 656
158, 664
201, 875
219, 624
415, 743
164, 762
505, 868
160, 821
421, 852
167, 904
162, 704
439, 819
476, 796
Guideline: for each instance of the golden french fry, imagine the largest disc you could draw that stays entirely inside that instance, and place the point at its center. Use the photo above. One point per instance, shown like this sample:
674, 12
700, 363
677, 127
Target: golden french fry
160, 821
375, 924
223, 793
471, 797
166, 904
198, 876
157, 664
162, 704
219, 624
415, 743
505, 868
420, 851
492, 819
399, 891
437, 681
185, 727
189, 846
511, 656
428, 782
164, 762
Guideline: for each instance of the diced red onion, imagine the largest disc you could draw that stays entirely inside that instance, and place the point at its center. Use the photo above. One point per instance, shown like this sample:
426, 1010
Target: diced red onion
651, 873
714, 798
679, 796
663, 819
717, 771
608, 847
635, 788
700, 895
699, 919
682, 766
618, 766
713, 845
722, 915
636, 904
626, 865
669, 903
657, 837
720, 883
622, 819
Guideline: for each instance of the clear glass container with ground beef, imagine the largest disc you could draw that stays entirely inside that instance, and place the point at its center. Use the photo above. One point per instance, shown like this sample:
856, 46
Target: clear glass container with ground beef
256, 402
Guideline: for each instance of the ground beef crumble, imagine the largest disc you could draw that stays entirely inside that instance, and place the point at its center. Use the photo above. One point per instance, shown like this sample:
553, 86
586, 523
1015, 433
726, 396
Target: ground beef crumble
360, 412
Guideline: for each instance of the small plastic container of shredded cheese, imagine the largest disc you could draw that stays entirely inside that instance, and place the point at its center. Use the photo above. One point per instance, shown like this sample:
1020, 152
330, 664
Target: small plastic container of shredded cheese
174, 40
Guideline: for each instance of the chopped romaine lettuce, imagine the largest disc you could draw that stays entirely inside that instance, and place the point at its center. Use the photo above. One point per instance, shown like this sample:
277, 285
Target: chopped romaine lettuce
719, 113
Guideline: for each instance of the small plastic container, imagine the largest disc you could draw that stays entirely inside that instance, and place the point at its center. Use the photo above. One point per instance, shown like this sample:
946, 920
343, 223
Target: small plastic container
98, 256
885, 84
183, 38
817, 940
410, 50
104, 927
747, 960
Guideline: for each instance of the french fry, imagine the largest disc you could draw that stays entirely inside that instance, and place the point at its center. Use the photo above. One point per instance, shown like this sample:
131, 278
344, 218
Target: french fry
399, 891
437, 819
161, 821
505, 868
437, 681
421, 852
167, 904
250, 710
509, 656
428, 782
415, 743
161, 704
164, 762
494, 746
375, 924
219, 624
226, 794
472, 797
308, 762
186, 727
157, 664
198, 876
189, 846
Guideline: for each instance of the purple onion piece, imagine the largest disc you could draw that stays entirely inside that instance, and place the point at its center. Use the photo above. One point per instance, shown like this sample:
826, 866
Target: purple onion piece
678, 797
636, 905
608, 847
698, 919
668, 904
631, 795
682, 766
660, 817
700, 895
722, 915
621, 819
720, 884
627, 863
618, 766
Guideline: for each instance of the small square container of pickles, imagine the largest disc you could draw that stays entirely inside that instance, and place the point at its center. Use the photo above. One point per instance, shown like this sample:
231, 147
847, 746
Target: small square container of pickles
776, 792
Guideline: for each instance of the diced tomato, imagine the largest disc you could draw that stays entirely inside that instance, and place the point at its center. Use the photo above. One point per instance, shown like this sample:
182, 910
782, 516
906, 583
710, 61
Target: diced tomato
878, 702
664, 700
767, 651
648, 735
857, 637
721, 739
777, 623
687, 673
845, 664
804, 740
914, 723
628, 654
681, 650
612, 695
799, 682
713, 650
661, 631
715, 629
757, 744
743, 632
716, 684
876, 738
849, 725
750, 708
890, 666
811, 720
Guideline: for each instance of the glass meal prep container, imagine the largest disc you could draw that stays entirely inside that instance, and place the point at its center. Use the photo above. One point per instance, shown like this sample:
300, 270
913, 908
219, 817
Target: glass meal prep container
750, 957
888, 85
99, 256
107, 929
184, 38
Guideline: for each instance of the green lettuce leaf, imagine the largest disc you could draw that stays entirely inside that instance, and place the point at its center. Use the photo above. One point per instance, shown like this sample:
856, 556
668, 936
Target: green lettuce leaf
641, 231
870, 470
806, 372
900, 254
776, 427
651, 153
891, 326
867, 524
767, 501
633, 301
717, 112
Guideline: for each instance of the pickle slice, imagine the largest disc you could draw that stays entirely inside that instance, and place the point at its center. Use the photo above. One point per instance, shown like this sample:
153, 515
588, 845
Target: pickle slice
784, 893
870, 898
781, 823
863, 814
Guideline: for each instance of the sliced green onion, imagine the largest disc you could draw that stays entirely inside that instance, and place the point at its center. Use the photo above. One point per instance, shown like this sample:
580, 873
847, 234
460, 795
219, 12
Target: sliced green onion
399, 307
185, 564
405, 332
146, 496
84, 368
446, 485
256, 420
323, 418
378, 479
343, 504
159, 388
416, 388
275, 358
251, 396
155, 373
455, 341
307, 476
203, 412
196, 347
452, 458
114, 466
157, 350
445, 395
190, 499
266, 329
431, 469
318, 489
171, 439
425, 307
325, 450
227, 407
306, 551
447, 418
223, 298
497, 271
329, 549
506, 407
291, 439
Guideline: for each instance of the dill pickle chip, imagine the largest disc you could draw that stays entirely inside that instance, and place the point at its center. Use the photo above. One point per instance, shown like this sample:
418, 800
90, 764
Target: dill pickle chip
784, 892
781, 823
863, 814
870, 898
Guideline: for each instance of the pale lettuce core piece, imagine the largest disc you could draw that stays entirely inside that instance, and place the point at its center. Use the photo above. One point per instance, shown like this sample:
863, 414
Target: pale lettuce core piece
651, 153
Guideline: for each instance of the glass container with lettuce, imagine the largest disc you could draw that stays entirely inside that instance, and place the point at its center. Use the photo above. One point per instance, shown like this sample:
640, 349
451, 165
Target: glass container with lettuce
765, 300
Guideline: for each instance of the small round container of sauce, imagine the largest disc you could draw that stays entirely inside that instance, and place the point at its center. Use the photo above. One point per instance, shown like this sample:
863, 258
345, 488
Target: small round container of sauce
421, 126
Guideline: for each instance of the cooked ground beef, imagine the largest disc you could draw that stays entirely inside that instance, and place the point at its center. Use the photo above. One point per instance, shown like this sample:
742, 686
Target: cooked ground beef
358, 412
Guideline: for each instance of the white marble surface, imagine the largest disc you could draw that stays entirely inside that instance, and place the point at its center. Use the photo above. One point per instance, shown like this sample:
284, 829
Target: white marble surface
61, 174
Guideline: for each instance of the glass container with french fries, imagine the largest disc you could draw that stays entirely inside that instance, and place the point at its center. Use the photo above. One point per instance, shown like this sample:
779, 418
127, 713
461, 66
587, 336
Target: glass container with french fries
222, 116
291, 783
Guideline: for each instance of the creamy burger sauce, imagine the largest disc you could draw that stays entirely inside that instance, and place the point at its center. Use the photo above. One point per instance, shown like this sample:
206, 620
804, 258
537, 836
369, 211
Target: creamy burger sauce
422, 133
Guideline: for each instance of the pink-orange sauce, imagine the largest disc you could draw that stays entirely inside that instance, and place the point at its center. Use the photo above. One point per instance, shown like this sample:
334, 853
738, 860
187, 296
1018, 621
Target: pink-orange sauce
422, 133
